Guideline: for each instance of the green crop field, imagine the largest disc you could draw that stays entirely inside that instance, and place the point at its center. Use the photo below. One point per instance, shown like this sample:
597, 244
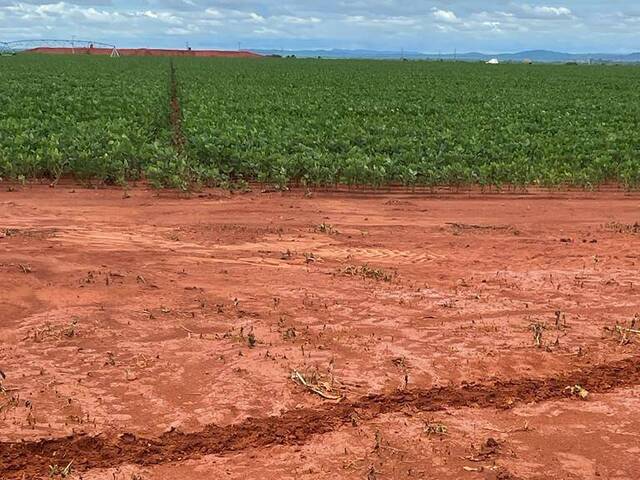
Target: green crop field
92, 117
320, 122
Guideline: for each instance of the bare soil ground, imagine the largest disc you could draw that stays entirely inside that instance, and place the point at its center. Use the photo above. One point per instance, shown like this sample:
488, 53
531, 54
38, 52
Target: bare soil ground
337, 336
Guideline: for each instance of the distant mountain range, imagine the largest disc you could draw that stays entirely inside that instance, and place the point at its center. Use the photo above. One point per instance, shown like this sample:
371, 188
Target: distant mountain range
540, 56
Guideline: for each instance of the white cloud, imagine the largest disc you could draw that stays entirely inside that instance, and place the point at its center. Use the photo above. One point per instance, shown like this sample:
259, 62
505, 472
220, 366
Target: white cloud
179, 31
267, 31
369, 21
212, 12
52, 9
446, 16
255, 18
557, 11
543, 11
292, 20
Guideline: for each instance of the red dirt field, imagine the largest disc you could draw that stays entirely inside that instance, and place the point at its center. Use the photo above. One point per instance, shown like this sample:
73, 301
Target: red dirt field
147, 52
147, 336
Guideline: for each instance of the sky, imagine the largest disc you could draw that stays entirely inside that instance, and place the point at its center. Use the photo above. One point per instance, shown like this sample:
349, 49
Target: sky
432, 26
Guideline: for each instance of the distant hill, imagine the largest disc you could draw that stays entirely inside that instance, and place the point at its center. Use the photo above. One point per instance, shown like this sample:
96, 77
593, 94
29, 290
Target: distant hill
337, 53
539, 56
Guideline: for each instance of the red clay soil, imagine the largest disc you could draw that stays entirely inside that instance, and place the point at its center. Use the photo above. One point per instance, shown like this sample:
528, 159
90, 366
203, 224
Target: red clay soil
297, 426
151, 336
147, 52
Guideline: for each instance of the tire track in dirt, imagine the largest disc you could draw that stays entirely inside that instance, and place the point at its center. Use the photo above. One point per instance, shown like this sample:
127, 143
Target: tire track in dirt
127, 240
175, 114
32, 459
381, 254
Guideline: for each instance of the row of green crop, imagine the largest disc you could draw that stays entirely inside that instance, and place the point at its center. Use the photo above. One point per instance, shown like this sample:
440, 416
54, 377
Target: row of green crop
94, 118
428, 123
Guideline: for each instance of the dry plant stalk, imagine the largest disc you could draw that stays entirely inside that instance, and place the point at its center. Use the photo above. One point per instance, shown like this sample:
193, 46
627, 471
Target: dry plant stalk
325, 228
537, 329
434, 428
577, 391
316, 386
365, 271
623, 333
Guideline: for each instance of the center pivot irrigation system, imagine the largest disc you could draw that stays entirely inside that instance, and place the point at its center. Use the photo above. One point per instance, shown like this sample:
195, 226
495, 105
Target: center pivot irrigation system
76, 46
5, 49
